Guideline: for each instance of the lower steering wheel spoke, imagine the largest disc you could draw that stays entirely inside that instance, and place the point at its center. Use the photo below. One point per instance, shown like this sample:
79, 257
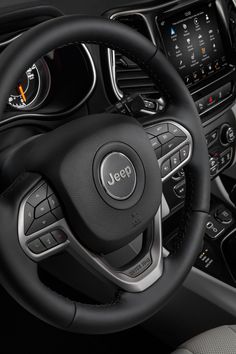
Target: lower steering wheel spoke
138, 274
173, 146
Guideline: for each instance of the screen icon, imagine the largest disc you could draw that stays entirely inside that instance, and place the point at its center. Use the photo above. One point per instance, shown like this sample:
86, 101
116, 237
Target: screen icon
203, 50
172, 31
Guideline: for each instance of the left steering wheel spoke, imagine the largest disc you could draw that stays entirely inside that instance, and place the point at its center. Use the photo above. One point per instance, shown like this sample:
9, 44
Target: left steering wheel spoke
41, 225
172, 144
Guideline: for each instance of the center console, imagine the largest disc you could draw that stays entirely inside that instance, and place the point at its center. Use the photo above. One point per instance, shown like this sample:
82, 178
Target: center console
195, 36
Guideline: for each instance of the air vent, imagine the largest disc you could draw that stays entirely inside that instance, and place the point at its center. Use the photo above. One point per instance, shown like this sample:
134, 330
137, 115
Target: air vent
127, 77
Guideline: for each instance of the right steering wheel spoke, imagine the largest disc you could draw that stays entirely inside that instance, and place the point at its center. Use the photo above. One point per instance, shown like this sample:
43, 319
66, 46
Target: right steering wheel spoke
41, 225
173, 146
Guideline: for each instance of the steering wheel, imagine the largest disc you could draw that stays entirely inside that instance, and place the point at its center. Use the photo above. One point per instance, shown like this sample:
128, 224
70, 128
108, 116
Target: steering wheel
100, 182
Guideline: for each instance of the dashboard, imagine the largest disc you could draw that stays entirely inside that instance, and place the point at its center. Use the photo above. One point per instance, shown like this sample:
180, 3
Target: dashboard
197, 37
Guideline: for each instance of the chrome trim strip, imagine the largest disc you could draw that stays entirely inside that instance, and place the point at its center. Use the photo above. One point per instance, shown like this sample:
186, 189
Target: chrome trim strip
216, 105
60, 114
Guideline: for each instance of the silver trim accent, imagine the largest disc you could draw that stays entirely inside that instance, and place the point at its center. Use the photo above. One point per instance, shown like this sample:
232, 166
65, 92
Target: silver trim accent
60, 114
142, 281
215, 106
104, 182
77, 250
187, 141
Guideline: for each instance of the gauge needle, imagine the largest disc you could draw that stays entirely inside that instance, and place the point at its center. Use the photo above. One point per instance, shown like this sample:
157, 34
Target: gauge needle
20, 88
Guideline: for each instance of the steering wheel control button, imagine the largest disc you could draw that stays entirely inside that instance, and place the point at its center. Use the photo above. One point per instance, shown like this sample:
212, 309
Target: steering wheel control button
38, 196
165, 169
48, 241
28, 217
59, 236
168, 147
164, 138
157, 129
175, 160
41, 209
58, 213
155, 143
213, 228
184, 152
53, 201
36, 246
118, 176
173, 129
41, 223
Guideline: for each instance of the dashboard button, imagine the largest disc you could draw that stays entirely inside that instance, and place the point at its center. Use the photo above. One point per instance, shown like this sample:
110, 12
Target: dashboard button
28, 216
59, 236
36, 246
175, 130
223, 215
38, 196
213, 228
175, 160
184, 152
164, 138
165, 169
155, 143
226, 90
166, 148
201, 105
157, 129
212, 137
42, 208
180, 190
48, 241
41, 223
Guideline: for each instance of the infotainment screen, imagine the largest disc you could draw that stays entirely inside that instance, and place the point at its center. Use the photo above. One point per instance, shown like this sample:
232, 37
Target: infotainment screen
193, 42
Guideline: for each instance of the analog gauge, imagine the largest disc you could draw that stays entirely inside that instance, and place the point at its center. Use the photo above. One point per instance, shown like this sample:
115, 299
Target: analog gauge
32, 88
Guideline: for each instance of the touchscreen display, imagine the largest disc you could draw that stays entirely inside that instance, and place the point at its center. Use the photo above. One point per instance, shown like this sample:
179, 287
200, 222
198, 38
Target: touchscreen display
193, 43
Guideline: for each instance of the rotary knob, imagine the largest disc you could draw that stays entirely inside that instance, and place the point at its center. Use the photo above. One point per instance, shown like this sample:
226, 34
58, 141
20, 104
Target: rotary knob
227, 135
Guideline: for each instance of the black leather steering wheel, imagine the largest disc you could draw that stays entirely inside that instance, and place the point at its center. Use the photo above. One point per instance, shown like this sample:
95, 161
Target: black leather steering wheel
76, 161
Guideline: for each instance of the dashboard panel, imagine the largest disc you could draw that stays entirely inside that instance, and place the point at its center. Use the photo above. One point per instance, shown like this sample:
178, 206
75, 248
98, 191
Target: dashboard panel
47, 90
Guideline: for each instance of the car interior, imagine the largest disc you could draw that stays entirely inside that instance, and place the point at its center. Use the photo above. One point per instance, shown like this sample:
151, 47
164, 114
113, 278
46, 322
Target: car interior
118, 176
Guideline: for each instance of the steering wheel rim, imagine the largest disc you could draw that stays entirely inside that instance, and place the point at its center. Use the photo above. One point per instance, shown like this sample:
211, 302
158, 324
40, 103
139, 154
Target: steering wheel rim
19, 273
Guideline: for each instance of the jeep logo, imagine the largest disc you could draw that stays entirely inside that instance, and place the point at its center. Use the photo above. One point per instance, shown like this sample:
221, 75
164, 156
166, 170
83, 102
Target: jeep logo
124, 173
118, 176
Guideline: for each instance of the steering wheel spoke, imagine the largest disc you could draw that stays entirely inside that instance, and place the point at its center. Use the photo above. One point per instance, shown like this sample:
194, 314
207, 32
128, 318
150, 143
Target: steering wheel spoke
140, 273
173, 146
